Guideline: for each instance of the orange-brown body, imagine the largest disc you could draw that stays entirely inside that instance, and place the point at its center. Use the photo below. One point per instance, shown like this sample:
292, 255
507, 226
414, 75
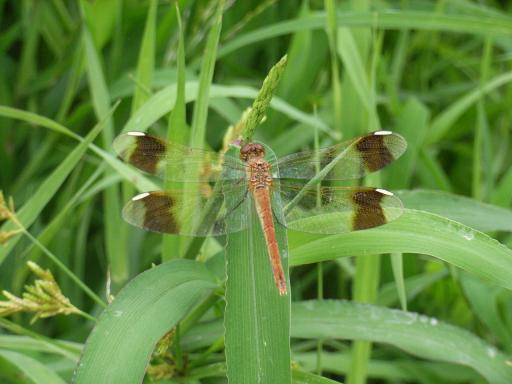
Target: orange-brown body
260, 183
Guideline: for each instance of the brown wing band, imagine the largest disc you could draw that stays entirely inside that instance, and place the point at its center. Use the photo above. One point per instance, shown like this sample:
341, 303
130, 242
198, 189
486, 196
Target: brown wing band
374, 152
368, 212
164, 221
147, 144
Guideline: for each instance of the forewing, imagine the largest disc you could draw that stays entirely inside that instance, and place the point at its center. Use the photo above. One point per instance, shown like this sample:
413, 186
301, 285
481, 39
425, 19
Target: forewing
177, 212
332, 210
184, 164
348, 160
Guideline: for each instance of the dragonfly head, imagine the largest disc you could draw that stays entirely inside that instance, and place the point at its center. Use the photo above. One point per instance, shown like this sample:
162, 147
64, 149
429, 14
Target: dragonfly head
251, 151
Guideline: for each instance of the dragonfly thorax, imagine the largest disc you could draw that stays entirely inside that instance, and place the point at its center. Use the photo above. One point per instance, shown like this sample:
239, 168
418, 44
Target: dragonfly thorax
259, 174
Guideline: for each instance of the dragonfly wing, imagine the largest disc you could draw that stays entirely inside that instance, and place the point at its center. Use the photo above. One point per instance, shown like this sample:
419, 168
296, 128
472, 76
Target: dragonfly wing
347, 160
157, 156
332, 210
176, 212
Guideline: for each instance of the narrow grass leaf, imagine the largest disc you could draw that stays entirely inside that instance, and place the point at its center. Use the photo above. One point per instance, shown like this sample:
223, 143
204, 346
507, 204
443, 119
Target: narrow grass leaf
412, 124
32, 208
69, 350
442, 123
486, 304
354, 67
405, 330
30, 368
143, 311
396, 19
136, 178
163, 101
205, 79
414, 285
301, 377
115, 236
177, 132
332, 37
146, 61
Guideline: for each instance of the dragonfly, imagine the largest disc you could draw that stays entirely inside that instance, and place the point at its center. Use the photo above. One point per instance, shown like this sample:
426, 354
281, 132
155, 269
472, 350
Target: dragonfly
298, 180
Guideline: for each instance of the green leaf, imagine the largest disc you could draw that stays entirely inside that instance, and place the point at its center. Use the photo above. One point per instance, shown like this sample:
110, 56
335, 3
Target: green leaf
163, 101
397, 19
256, 318
481, 216
301, 377
115, 236
120, 346
354, 67
205, 79
445, 120
412, 124
414, 232
177, 132
30, 368
33, 207
146, 61
419, 335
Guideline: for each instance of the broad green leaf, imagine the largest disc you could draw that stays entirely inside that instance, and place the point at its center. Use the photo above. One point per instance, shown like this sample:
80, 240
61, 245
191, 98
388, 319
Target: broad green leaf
30, 368
473, 213
393, 370
120, 346
414, 232
256, 318
419, 335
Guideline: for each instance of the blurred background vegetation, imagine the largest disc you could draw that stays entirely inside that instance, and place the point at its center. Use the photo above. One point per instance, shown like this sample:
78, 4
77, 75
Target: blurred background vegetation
437, 72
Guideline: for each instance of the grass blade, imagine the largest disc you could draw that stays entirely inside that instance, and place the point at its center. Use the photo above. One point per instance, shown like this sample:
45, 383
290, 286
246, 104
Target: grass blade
146, 61
406, 330
31, 368
177, 132
135, 321
115, 237
256, 318
414, 232
31, 210
475, 214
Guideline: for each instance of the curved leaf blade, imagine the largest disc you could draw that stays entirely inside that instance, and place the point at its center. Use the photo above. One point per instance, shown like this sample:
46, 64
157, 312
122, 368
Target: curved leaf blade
419, 335
120, 346
415, 232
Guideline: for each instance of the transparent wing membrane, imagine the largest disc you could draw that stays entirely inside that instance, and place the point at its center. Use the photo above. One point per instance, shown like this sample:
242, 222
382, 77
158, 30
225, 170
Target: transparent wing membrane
183, 164
332, 210
179, 212
348, 160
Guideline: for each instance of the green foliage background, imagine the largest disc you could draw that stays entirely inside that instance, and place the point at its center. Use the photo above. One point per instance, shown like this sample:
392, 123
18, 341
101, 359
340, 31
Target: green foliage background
425, 299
